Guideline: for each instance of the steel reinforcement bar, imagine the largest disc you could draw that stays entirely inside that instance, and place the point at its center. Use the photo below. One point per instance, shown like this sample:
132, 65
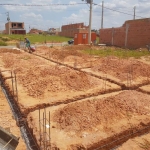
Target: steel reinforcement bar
118, 139
19, 117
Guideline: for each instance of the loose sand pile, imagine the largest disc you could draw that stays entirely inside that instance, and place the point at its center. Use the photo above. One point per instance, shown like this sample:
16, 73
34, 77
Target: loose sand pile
88, 114
60, 53
53, 79
37, 75
119, 68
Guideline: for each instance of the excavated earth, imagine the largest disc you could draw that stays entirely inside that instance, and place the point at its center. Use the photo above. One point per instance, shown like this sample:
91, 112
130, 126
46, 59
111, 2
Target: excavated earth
95, 122
132, 72
68, 55
7, 121
41, 82
138, 143
85, 95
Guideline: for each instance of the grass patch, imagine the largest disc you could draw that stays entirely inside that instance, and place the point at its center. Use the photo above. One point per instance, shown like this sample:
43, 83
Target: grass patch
121, 53
5, 39
34, 38
2, 43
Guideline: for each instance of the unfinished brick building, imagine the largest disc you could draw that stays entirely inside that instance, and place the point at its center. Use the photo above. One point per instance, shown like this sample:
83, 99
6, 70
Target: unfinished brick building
15, 28
71, 29
133, 34
35, 31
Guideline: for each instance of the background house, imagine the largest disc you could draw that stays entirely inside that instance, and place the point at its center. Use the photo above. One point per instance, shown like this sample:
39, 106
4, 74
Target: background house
71, 29
53, 31
35, 31
15, 28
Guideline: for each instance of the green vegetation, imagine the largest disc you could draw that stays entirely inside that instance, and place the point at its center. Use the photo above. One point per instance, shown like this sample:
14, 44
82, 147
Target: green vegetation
34, 38
46, 38
97, 39
5, 39
2, 43
121, 53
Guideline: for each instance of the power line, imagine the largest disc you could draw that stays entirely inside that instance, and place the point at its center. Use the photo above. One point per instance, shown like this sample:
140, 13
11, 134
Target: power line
118, 11
38, 5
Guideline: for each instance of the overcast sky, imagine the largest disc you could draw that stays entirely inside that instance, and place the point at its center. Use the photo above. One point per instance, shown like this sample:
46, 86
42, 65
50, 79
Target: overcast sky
44, 17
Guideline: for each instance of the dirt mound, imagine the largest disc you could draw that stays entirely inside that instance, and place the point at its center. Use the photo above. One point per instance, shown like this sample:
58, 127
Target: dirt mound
61, 54
76, 80
20, 62
5, 50
88, 114
58, 53
121, 67
53, 79
76, 59
36, 75
77, 47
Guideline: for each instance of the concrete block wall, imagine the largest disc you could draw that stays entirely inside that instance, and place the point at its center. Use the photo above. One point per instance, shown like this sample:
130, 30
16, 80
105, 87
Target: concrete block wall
136, 35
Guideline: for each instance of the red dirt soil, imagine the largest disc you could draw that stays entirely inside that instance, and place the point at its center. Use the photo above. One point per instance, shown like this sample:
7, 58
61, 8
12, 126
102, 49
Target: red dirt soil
68, 55
83, 124
42, 82
29, 69
7, 121
119, 68
40, 77
88, 114
138, 143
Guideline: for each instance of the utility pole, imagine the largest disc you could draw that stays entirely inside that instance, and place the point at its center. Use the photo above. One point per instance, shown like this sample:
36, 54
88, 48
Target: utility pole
102, 14
134, 12
8, 19
113, 30
29, 28
126, 36
90, 20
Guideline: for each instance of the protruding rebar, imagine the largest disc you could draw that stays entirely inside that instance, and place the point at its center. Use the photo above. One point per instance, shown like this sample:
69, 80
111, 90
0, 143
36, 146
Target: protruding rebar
45, 128
43, 132
12, 83
16, 86
40, 127
49, 132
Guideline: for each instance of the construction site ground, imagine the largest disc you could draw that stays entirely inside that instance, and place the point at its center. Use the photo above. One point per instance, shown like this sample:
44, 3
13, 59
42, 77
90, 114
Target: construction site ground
93, 101
139, 143
8, 122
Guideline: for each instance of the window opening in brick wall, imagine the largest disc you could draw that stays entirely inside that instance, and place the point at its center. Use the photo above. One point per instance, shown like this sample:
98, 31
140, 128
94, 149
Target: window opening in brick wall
84, 36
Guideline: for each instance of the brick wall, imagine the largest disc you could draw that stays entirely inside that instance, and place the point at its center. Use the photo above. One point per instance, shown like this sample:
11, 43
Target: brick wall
15, 28
133, 34
71, 29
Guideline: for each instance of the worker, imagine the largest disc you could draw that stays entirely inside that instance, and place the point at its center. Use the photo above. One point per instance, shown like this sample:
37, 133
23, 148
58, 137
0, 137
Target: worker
28, 44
